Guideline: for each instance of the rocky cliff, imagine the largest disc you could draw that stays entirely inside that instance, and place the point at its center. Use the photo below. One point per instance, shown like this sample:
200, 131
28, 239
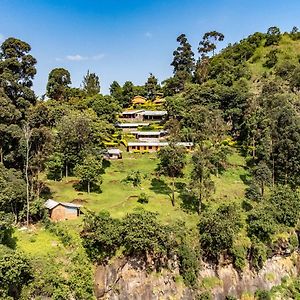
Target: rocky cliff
130, 279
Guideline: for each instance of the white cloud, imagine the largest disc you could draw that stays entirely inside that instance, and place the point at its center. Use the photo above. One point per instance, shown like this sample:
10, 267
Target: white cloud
76, 57
2, 38
98, 56
148, 35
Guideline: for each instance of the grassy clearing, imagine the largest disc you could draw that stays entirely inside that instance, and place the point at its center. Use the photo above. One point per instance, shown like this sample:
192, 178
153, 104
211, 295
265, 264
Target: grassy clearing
37, 242
120, 198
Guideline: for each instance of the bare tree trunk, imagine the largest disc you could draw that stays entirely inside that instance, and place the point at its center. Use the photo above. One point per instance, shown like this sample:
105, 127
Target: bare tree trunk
200, 196
273, 164
1, 155
67, 170
89, 187
173, 191
253, 147
37, 185
27, 136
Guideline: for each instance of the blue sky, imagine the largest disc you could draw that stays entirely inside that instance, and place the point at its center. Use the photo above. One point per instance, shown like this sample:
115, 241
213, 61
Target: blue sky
126, 40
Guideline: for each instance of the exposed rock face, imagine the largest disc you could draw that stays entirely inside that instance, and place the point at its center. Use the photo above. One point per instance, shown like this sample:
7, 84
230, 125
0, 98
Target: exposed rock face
129, 279
235, 284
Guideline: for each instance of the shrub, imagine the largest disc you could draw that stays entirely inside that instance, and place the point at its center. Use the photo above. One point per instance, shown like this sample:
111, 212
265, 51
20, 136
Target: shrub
143, 198
143, 234
188, 264
253, 193
15, 273
293, 242
204, 296
262, 295
286, 203
271, 59
134, 178
284, 70
101, 235
258, 255
217, 230
261, 223
239, 253
59, 231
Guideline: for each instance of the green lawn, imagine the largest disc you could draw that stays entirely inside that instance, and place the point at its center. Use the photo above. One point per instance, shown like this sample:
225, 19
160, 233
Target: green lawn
37, 242
120, 198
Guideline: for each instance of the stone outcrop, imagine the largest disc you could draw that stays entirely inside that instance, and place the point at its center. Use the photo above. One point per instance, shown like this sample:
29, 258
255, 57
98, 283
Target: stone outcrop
130, 279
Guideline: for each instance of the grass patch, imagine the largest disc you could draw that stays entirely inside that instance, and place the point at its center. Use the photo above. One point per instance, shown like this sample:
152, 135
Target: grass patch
120, 198
37, 242
209, 283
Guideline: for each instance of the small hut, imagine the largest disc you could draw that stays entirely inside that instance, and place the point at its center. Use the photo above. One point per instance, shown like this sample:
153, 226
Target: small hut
59, 211
113, 154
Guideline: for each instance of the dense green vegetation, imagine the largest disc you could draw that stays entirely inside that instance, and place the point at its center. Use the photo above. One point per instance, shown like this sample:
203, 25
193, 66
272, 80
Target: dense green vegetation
235, 198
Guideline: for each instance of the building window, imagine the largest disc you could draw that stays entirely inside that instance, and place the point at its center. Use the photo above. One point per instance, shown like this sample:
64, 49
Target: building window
133, 147
150, 147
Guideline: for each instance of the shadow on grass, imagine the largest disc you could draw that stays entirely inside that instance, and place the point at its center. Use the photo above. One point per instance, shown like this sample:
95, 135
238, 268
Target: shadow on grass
246, 179
188, 202
159, 186
81, 186
105, 165
11, 242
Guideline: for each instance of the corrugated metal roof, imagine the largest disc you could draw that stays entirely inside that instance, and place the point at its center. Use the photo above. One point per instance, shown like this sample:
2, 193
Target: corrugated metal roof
50, 204
155, 113
162, 144
129, 112
114, 151
68, 204
148, 132
131, 125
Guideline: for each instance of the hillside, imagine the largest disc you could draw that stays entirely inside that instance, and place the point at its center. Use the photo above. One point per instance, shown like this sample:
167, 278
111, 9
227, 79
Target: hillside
288, 51
187, 188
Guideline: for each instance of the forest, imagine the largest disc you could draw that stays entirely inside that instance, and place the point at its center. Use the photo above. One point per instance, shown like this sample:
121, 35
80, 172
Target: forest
233, 199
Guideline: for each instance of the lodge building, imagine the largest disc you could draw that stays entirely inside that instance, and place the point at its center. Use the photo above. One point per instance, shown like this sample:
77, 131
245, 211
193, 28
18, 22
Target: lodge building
153, 146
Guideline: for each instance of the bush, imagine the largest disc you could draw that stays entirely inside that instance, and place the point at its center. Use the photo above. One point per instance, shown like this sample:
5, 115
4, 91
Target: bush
271, 59
258, 255
134, 178
48, 281
6, 228
262, 295
143, 234
60, 232
15, 273
286, 203
218, 229
293, 242
239, 254
143, 198
101, 235
284, 70
188, 264
261, 223
253, 193
139, 233
205, 296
